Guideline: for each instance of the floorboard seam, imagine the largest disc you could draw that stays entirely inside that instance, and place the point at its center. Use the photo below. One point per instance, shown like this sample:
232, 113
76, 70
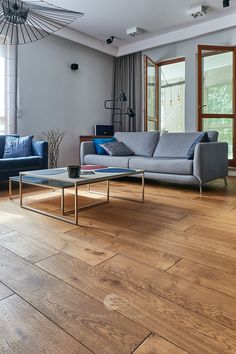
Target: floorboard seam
6, 297
139, 345
167, 270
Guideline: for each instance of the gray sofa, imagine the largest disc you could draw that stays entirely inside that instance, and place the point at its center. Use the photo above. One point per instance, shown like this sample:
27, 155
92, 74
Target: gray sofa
164, 157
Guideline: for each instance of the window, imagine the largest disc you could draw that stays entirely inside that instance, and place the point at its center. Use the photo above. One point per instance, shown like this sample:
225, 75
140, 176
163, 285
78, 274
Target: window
3, 127
216, 106
165, 95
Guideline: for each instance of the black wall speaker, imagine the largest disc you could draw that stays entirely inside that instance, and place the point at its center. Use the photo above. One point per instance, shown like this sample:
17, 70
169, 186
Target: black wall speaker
74, 67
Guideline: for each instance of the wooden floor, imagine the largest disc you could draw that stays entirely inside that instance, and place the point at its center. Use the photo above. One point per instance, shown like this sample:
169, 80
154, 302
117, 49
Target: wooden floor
158, 277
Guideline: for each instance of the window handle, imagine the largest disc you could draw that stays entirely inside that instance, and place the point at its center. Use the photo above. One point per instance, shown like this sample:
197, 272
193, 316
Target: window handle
204, 105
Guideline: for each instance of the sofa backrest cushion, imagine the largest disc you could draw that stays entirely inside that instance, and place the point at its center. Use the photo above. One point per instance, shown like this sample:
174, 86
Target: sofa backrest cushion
141, 143
177, 145
18, 147
2, 144
213, 136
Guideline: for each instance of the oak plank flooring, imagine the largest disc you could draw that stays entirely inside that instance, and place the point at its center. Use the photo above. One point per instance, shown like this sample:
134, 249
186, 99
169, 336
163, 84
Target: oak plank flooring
205, 276
148, 255
188, 330
4, 291
32, 250
84, 318
207, 302
157, 345
102, 282
177, 244
5, 229
24, 330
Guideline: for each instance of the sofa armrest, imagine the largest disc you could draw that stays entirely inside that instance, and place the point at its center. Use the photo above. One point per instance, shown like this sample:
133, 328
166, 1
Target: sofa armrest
40, 148
86, 148
210, 161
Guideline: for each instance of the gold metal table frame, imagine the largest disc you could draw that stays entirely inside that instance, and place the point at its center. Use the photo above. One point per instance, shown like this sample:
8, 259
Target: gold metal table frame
76, 186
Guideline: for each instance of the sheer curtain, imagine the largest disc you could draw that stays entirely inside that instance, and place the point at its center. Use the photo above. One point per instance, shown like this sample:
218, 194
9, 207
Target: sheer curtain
128, 77
8, 89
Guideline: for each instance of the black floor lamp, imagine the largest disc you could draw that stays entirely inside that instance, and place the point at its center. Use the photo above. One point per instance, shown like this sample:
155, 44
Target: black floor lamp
119, 111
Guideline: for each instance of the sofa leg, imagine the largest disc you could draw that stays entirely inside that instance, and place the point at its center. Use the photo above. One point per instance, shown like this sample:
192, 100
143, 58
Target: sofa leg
226, 182
200, 188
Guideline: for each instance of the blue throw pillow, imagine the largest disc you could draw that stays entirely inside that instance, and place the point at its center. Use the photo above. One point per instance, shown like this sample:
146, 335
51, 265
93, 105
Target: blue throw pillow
202, 138
99, 141
17, 147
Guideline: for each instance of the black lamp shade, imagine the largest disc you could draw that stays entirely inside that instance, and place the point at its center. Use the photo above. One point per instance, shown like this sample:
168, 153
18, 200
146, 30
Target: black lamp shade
130, 112
122, 96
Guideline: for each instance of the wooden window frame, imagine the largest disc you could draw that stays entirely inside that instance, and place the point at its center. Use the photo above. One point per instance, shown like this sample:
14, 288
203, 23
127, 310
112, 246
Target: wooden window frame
201, 115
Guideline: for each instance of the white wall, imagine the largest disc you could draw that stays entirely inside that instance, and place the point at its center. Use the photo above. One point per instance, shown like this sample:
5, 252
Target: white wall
188, 49
52, 96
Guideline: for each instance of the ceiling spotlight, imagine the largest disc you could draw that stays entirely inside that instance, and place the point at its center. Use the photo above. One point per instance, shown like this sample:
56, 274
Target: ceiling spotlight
226, 3
198, 11
110, 40
135, 31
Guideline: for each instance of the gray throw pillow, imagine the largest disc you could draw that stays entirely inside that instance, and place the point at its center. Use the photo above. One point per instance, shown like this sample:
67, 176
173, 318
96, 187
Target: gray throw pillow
17, 147
117, 148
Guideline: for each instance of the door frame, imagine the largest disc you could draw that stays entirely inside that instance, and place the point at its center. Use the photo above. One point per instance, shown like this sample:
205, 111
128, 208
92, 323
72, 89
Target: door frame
157, 68
201, 115
146, 59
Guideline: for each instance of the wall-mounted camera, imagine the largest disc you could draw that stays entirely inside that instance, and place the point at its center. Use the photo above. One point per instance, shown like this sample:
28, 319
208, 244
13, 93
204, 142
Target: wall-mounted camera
110, 40
74, 67
226, 3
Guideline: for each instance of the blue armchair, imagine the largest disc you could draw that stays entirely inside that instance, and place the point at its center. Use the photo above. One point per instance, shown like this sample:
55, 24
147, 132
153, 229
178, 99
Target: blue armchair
12, 167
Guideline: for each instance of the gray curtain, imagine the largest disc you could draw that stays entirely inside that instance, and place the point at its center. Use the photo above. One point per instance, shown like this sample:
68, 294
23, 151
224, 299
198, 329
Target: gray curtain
128, 77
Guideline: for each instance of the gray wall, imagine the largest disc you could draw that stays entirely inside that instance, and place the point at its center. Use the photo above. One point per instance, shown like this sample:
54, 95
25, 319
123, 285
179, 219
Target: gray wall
188, 49
52, 96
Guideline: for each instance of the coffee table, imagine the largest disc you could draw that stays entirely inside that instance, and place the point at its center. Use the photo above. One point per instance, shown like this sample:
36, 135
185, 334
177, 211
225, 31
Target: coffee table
58, 179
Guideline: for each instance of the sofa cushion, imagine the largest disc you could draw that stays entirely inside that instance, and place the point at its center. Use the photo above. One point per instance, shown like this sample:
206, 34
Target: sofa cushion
2, 144
203, 138
21, 163
213, 136
18, 147
99, 141
169, 166
175, 145
141, 143
106, 160
117, 148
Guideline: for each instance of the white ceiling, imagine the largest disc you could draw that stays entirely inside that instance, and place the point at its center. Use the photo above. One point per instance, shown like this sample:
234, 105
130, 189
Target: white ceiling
104, 18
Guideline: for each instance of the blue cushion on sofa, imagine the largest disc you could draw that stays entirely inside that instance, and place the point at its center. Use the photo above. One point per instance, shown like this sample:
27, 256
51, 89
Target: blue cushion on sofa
202, 138
2, 143
17, 147
99, 141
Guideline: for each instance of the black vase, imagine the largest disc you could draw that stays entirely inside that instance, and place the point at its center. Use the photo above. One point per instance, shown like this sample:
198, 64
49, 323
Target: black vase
74, 171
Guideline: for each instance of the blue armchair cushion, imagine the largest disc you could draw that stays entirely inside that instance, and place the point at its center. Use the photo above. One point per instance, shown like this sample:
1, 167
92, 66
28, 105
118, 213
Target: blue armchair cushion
18, 147
99, 141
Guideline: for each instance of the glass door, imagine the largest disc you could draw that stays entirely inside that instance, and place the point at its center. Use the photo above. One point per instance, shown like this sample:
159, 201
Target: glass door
216, 90
151, 118
171, 75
